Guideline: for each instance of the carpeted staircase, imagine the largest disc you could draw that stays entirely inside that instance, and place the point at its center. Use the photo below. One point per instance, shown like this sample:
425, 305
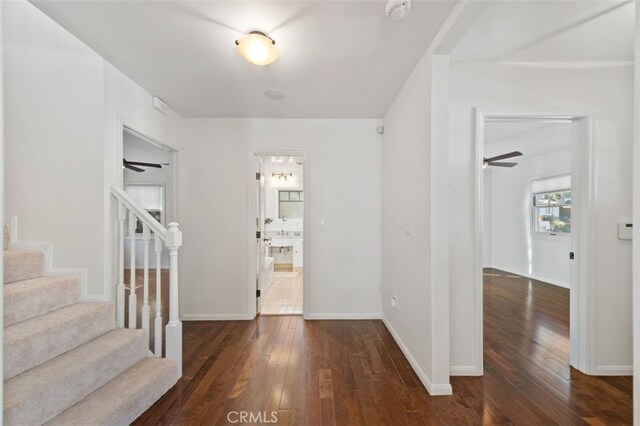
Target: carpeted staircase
65, 363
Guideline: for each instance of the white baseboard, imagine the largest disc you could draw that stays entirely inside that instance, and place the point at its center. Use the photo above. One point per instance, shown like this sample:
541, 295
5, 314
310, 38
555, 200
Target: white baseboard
465, 370
614, 370
214, 317
433, 389
375, 316
531, 276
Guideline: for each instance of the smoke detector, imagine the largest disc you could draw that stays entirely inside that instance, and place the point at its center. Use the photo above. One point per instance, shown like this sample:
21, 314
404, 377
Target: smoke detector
398, 9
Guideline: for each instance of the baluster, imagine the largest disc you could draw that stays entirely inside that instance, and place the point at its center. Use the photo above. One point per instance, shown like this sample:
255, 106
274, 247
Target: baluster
173, 240
120, 300
146, 236
158, 325
133, 302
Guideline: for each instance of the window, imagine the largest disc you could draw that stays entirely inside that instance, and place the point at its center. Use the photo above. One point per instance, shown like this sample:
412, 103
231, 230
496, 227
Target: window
149, 197
290, 204
552, 212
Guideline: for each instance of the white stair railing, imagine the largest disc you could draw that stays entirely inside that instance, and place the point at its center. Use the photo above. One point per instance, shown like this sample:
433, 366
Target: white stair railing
130, 212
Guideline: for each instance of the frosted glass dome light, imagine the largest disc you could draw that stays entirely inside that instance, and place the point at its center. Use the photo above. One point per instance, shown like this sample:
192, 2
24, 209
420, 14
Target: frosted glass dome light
257, 48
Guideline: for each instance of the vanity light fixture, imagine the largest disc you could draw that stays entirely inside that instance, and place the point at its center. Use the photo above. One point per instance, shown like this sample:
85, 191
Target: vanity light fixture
284, 176
257, 48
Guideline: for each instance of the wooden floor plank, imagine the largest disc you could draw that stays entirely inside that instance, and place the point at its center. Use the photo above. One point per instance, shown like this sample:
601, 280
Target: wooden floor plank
354, 373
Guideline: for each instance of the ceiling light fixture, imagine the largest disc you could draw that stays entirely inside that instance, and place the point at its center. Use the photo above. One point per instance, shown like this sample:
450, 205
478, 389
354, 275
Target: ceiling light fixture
257, 48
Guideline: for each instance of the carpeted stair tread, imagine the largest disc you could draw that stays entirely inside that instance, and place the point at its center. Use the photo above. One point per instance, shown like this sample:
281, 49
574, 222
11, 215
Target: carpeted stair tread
122, 400
27, 299
22, 265
45, 391
30, 343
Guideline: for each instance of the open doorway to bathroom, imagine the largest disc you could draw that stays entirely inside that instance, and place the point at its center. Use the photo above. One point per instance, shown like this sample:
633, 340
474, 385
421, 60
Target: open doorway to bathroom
280, 211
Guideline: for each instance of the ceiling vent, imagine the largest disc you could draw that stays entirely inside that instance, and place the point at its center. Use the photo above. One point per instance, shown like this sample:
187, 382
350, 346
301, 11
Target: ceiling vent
398, 9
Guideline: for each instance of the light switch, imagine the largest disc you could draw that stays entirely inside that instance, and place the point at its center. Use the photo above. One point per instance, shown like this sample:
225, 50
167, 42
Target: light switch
407, 228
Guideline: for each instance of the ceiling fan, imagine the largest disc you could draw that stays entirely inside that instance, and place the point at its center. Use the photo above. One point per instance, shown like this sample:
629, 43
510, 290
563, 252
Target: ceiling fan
493, 161
133, 165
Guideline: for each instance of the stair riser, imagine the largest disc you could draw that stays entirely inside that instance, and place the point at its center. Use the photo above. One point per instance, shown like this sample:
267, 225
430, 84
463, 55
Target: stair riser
123, 399
22, 265
24, 300
25, 354
89, 374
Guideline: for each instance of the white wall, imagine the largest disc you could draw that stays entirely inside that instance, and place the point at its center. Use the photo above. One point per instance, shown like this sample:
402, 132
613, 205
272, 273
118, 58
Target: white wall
409, 229
54, 97
636, 229
513, 246
344, 168
2, 171
64, 104
605, 92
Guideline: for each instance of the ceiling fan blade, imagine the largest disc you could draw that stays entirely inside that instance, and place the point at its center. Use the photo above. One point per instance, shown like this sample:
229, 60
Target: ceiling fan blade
130, 167
504, 156
503, 164
138, 163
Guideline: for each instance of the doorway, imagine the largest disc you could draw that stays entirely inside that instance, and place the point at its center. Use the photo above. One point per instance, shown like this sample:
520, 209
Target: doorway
533, 210
280, 238
148, 177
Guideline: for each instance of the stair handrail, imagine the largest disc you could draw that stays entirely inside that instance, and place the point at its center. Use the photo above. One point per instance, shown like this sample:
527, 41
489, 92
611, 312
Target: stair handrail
145, 217
128, 210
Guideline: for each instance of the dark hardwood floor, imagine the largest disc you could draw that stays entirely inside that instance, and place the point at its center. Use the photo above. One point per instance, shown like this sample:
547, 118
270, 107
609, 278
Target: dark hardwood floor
353, 373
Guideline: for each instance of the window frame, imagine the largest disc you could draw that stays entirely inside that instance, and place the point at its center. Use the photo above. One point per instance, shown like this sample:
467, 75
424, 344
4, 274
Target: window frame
299, 200
554, 236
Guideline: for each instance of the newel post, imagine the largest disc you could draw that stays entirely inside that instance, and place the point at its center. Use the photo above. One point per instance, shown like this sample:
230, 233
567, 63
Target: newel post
173, 241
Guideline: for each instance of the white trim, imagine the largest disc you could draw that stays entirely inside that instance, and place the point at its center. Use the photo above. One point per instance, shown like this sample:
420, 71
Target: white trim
372, 316
214, 317
433, 389
464, 370
614, 370
48, 269
582, 298
306, 228
478, 295
532, 276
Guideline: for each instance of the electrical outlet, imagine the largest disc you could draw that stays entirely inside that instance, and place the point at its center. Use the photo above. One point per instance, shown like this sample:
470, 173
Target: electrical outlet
394, 303
407, 228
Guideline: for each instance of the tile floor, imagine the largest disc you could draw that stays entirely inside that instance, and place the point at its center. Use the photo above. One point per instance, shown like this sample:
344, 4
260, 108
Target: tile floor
284, 296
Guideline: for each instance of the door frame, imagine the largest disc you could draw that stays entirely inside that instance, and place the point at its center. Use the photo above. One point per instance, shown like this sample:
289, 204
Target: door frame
582, 327
306, 228
115, 175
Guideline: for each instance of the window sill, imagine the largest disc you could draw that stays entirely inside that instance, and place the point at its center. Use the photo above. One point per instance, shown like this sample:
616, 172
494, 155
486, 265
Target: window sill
550, 237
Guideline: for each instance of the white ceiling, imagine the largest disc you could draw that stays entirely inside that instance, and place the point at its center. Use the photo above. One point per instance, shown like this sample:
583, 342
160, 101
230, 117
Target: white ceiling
338, 59
551, 31
533, 138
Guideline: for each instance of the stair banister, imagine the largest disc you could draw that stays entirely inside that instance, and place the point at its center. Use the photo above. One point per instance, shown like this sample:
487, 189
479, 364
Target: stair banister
172, 238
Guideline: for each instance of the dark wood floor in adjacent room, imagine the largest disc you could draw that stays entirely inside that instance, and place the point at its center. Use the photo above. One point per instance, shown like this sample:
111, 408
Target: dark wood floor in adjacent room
353, 373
